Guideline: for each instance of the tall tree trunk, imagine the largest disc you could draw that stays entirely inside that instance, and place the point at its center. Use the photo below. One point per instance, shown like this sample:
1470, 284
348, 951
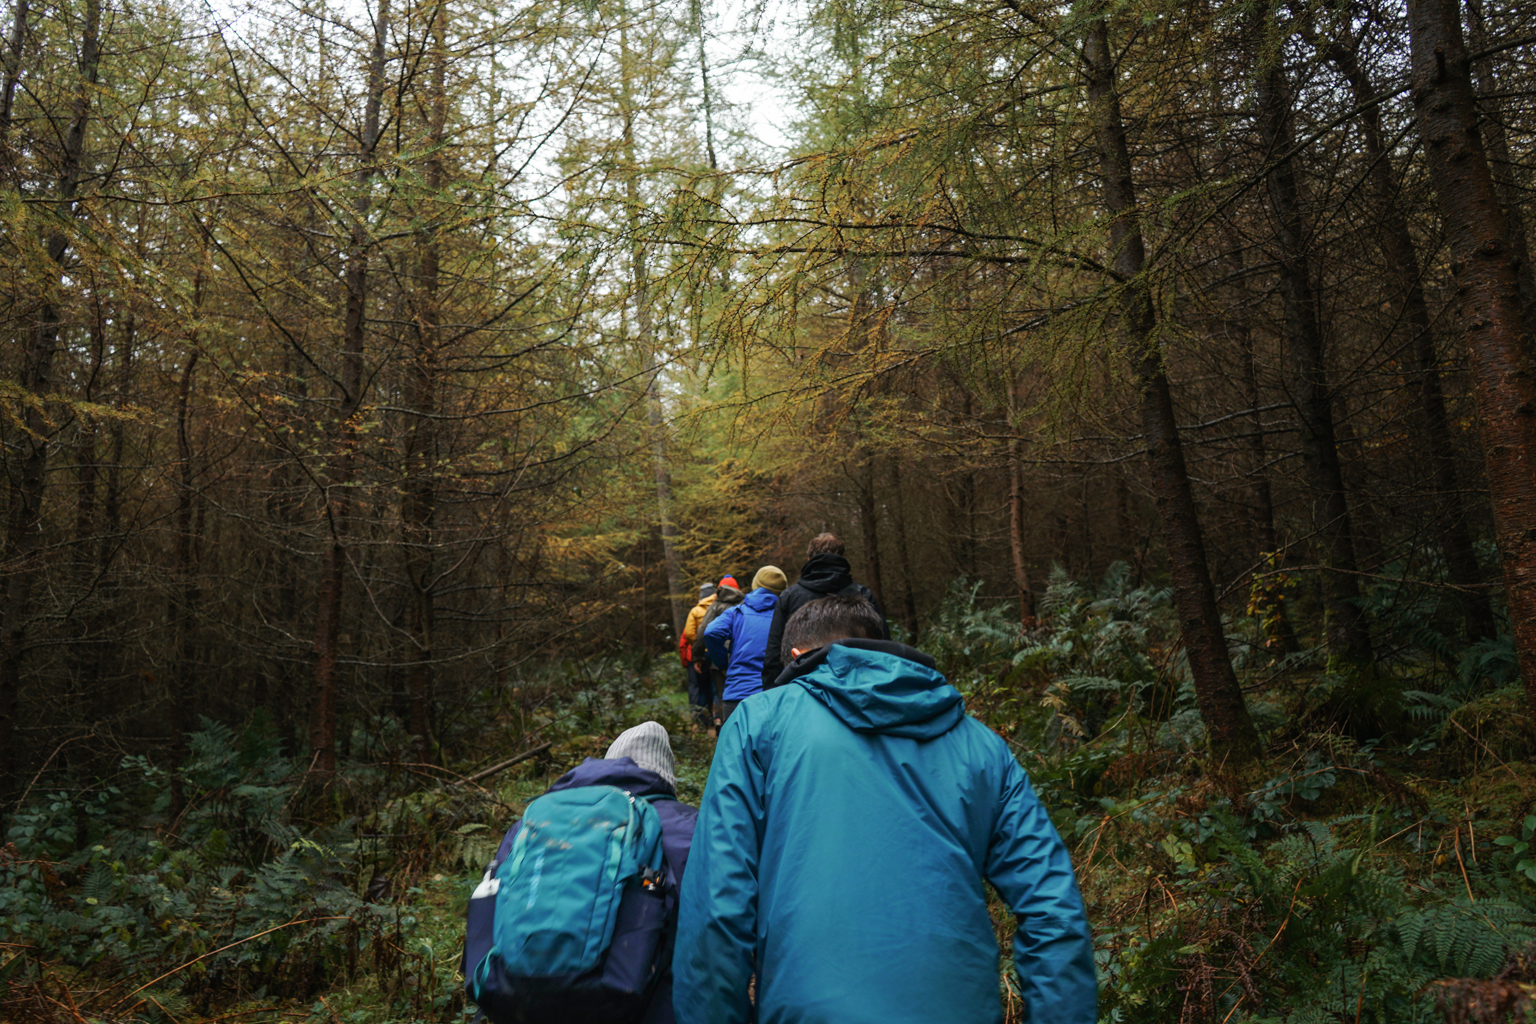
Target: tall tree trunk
903, 550
1402, 257
1260, 494
1347, 633
1021, 581
1502, 165
75, 699
1266, 597
283, 687
184, 600
338, 498
869, 525
677, 600
696, 14
88, 469
419, 507
1216, 690
966, 554
13, 52
1488, 297
109, 532
1277, 623
23, 546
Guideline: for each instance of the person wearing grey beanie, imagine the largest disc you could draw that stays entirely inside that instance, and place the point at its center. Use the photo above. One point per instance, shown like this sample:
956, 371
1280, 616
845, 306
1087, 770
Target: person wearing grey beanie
648, 746
640, 763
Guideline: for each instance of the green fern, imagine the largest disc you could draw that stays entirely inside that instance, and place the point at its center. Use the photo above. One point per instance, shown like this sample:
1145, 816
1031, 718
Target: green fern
1465, 939
100, 885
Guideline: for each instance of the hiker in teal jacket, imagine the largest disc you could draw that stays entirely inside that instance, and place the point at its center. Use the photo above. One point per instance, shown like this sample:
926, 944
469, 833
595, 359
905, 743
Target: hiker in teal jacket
849, 820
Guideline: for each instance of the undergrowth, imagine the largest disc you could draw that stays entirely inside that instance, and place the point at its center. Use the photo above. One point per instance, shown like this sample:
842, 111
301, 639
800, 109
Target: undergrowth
1374, 866
236, 886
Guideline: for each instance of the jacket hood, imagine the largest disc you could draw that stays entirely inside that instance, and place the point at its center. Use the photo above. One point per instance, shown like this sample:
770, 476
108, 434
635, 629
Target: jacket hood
618, 771
761, 600
826, 574
880, 686
728, 595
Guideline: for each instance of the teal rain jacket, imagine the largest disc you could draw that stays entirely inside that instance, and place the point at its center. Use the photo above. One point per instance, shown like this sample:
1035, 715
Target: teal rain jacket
849, 820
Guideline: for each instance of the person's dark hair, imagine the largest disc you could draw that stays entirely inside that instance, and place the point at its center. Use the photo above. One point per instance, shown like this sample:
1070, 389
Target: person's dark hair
824, 544
836, 617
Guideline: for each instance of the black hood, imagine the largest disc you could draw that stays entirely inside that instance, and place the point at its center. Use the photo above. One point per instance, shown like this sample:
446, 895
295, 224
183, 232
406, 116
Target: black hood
826, 574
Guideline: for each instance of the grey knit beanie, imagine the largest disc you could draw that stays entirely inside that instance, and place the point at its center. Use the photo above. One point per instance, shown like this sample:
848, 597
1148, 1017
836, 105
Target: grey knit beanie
706, 590
647, 745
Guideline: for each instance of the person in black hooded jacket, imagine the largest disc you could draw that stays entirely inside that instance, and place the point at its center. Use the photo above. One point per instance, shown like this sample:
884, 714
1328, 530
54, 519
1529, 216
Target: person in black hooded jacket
826, 572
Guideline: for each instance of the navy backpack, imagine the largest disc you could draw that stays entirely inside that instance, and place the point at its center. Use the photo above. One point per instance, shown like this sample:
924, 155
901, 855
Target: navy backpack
569, 924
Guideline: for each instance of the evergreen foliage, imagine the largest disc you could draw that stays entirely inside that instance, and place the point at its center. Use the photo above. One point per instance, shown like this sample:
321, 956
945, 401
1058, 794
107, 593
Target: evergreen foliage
1326, 887
205, 875
1343, 880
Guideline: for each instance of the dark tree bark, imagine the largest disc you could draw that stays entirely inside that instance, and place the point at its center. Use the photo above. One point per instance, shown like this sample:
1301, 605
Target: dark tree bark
965, 543
1502, 163
338, 503
419, 507
84, 627
13, 52
184, 601
869, 526
1216, 689
1021, 581
1488, 302
862, 329
696, 15
1403, 259
23, 553
109, 535
1347, 633
903, 549
677, 597
1261, 514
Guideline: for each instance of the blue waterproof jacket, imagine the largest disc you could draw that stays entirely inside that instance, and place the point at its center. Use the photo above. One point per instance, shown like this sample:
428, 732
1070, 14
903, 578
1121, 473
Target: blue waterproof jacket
677, 823
850, 818
738, 639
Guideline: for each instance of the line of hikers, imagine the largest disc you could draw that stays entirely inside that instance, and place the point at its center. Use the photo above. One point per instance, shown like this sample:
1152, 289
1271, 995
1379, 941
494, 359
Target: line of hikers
834, 871
730, 643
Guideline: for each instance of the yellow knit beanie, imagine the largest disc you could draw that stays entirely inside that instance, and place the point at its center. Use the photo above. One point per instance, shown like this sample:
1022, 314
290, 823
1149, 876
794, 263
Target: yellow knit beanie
772, 577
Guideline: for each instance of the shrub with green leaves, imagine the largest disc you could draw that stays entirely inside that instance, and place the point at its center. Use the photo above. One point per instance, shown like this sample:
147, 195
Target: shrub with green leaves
1303, 930
231, 888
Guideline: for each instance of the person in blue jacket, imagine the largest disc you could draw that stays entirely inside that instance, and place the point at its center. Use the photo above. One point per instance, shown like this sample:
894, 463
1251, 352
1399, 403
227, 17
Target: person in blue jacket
639, 761
738, 638
850, 818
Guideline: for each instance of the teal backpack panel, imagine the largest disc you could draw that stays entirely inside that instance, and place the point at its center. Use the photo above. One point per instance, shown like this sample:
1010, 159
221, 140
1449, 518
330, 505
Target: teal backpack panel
560, 887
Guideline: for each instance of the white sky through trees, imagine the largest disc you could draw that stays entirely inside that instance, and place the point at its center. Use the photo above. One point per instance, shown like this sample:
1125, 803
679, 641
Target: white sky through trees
745, 39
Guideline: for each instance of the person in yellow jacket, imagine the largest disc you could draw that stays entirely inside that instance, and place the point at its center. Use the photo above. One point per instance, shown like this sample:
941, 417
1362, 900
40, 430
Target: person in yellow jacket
700, 691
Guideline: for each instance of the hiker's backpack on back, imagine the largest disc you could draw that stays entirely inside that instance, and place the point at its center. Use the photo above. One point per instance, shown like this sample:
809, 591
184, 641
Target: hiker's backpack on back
569, 925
